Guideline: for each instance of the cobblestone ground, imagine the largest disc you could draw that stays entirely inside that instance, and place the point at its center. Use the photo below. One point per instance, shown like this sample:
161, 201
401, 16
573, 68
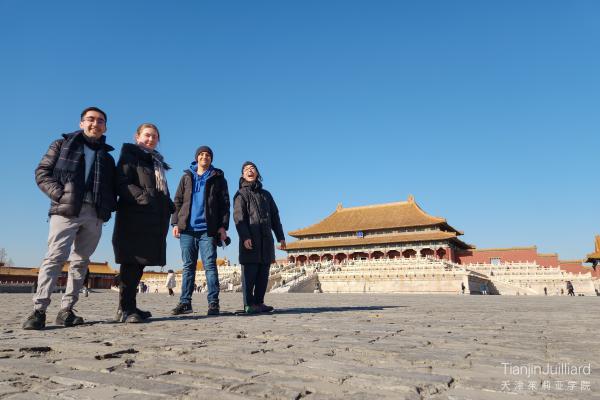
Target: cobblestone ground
316, 346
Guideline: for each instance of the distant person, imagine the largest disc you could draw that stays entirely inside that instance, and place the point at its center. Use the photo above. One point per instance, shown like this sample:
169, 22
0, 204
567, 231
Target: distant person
78, 174
170, 283
462, 287
256, 216
200, 221
142, 219
570, 289
545, 291
483, 288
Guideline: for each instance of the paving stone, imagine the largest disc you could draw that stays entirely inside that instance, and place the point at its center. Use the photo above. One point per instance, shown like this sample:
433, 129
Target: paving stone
315, 346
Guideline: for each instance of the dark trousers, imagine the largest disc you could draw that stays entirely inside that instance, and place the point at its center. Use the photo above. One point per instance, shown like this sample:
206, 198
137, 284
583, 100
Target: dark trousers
255, 278
131, 274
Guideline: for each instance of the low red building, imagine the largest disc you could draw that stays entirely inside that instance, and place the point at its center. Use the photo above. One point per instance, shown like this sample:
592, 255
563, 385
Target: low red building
101, 275
523, 254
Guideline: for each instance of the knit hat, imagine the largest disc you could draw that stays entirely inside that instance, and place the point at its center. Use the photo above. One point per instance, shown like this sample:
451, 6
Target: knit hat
244, 165
206, 149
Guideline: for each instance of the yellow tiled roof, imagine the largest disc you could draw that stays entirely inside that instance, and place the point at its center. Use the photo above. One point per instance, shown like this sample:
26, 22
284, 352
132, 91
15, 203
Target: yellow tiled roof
379, 216
376, 239
19, 271
95, 268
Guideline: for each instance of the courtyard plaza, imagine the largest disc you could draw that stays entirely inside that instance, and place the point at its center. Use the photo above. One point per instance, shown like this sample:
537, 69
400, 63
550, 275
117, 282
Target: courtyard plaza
314, 346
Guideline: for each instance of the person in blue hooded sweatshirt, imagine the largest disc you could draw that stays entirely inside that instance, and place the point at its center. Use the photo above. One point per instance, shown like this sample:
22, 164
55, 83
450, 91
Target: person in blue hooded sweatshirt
200, 221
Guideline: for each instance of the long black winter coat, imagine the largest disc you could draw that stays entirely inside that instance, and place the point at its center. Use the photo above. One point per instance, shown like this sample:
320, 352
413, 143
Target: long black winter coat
66, 192
143, 212
216, 202
255, 215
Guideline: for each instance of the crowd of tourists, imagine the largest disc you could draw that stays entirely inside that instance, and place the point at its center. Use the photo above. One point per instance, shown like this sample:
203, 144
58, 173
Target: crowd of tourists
85, 186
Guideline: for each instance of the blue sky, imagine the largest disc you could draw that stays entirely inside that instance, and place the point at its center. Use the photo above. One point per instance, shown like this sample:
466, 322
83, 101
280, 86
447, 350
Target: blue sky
487, 112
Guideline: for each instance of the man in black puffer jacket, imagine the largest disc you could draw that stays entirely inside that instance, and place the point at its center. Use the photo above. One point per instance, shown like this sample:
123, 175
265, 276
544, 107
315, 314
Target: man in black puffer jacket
78, 174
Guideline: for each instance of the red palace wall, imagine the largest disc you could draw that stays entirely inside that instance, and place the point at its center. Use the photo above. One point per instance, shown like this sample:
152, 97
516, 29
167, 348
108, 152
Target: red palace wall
576, 268
523, 254
505, 255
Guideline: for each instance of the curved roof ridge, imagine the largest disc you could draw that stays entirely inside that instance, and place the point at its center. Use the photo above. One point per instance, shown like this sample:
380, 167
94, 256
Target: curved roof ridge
395, 203
374, 216
418, 207
410, 201
315, 224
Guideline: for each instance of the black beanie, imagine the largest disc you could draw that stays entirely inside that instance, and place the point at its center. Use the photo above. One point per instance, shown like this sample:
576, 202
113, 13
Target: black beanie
206, 149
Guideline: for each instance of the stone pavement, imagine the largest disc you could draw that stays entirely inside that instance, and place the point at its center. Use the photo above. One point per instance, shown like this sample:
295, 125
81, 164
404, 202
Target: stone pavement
316, 346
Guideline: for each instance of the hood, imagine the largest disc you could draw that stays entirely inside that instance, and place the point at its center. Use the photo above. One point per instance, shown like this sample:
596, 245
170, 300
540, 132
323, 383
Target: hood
194, 167
254, 186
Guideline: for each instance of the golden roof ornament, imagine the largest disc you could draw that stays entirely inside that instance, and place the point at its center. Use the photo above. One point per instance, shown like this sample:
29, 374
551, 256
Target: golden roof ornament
594, 257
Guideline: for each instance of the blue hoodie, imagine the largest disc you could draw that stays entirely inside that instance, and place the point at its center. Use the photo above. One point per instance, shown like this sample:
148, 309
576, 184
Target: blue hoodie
197, 213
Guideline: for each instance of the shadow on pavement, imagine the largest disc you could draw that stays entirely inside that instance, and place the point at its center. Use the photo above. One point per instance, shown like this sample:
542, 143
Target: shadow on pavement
315, 310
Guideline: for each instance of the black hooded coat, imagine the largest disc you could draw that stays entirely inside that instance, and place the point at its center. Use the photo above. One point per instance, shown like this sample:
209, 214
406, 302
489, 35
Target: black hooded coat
255, 215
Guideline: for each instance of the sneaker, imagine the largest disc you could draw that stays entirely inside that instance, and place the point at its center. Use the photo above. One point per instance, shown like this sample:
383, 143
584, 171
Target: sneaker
263, 308
66, 317
213, 309
133, 318
251, 310
182, 308
143, 314
35, 321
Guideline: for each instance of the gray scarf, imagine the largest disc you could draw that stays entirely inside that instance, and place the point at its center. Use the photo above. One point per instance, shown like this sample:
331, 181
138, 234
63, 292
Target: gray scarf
160, 167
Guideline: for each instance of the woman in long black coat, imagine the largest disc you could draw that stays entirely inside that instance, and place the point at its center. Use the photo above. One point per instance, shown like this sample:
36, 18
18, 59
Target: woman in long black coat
256, 216
142, 219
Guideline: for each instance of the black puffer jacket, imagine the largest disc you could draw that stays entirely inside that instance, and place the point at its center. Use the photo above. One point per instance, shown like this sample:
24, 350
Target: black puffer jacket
216, 201
255, 215
142, 218
67, 192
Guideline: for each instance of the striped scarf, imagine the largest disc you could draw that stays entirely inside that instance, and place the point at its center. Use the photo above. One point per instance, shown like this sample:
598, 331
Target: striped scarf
70, 160
160, 166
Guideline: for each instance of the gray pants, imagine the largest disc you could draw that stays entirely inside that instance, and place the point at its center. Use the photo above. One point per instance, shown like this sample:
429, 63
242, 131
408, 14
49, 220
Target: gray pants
74, 236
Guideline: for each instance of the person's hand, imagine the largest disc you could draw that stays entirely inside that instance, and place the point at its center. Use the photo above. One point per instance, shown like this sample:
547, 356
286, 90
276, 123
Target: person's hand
282, 245
176, 231
248, 244
222, 234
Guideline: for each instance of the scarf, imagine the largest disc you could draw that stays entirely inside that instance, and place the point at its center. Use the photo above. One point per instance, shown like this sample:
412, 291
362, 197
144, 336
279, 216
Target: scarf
71, 159
160, 166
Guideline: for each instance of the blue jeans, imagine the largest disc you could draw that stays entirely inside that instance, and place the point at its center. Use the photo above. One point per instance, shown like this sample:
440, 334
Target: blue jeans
191, 242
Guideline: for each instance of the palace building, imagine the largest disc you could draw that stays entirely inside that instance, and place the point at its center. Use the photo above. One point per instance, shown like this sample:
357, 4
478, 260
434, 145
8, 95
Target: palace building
101, 275
394, 230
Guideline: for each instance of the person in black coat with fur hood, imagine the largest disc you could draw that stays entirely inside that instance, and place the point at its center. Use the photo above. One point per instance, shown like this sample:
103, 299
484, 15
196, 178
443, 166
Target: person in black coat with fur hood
142, 220
255, 215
